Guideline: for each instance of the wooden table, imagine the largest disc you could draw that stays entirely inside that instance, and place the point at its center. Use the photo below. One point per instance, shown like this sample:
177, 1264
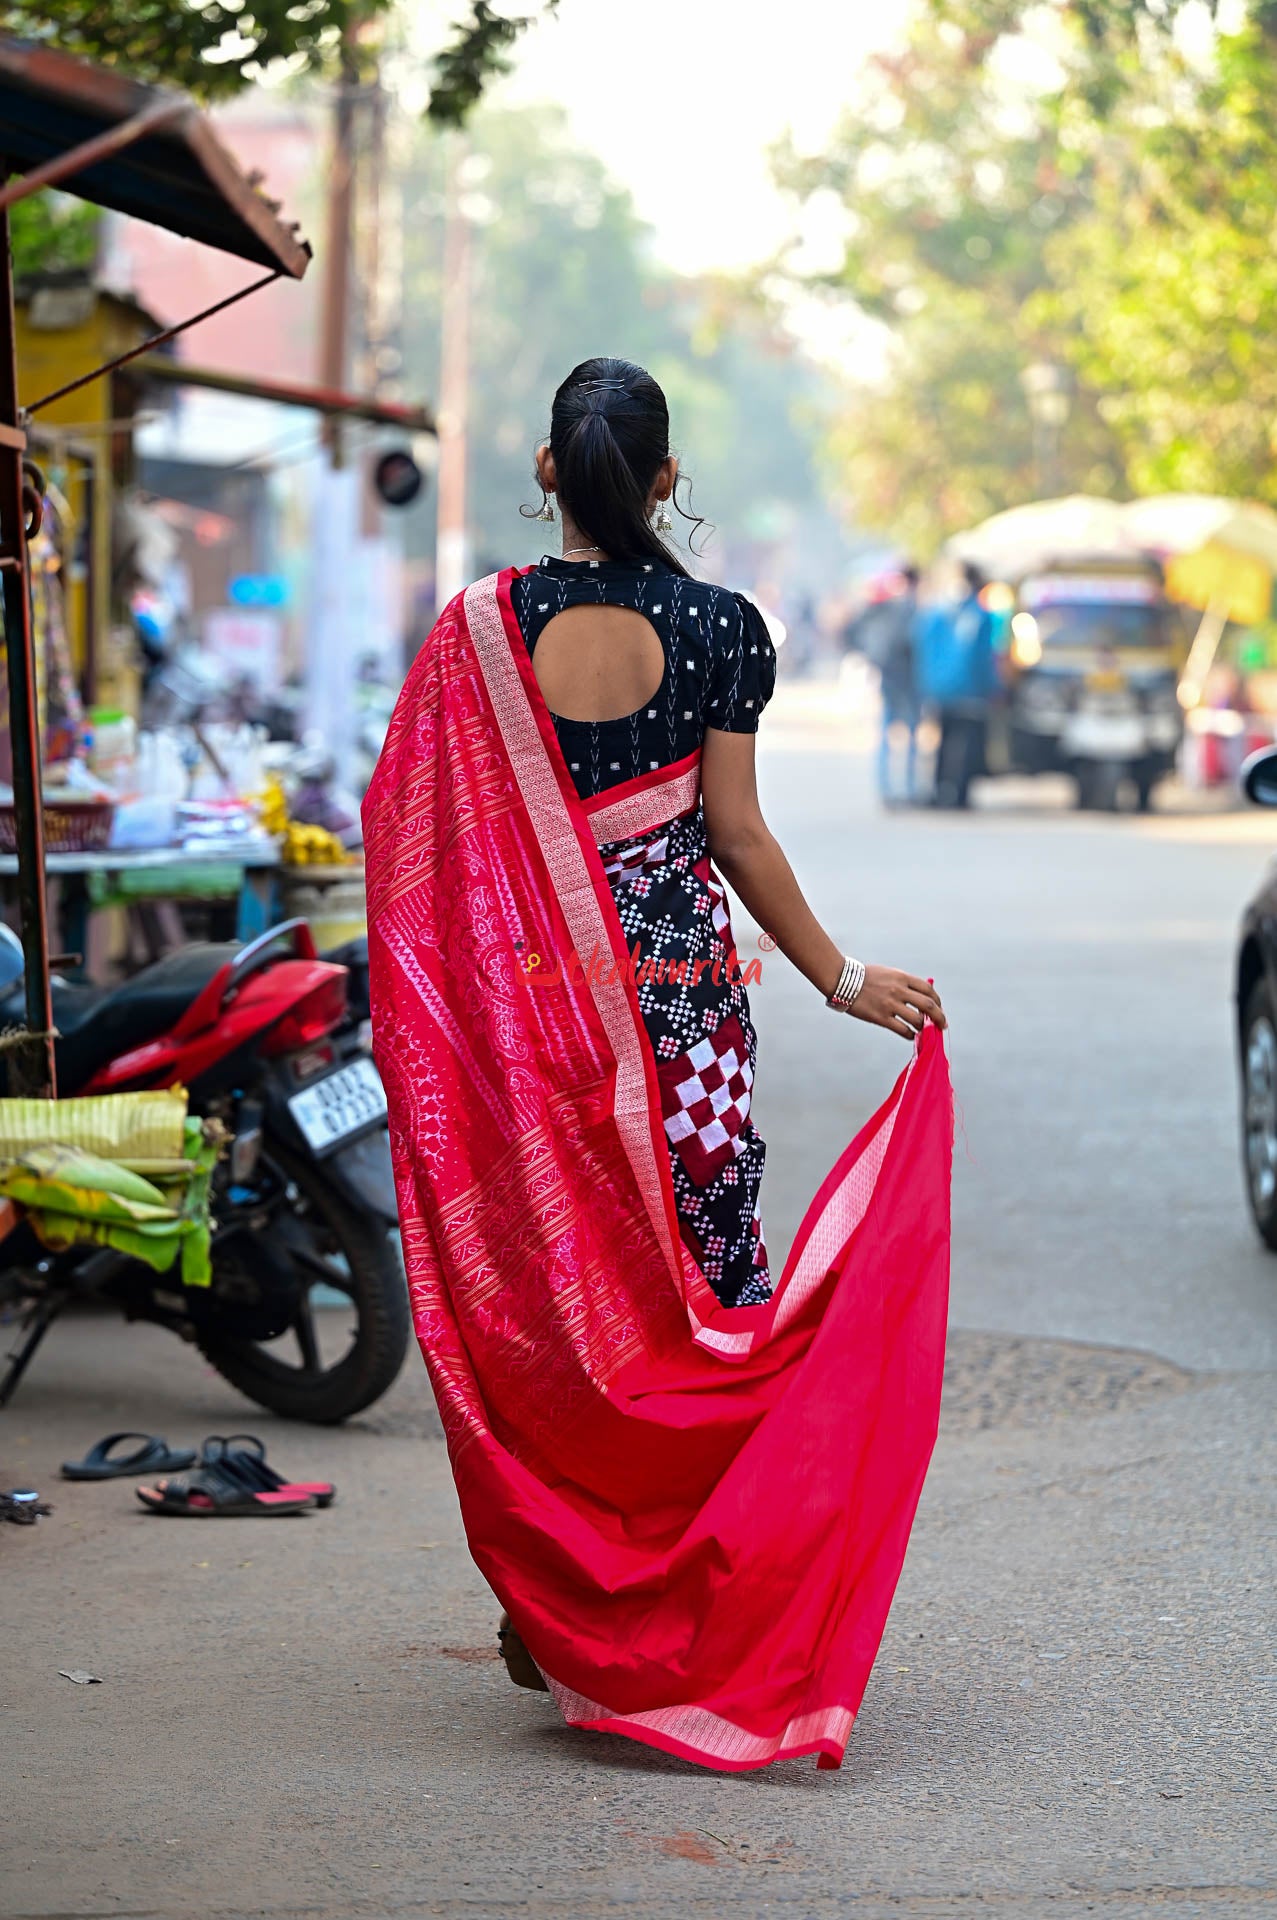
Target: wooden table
256, 863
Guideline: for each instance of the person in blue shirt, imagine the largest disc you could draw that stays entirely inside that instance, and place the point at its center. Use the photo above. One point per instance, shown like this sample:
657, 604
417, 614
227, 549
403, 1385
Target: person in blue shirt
959, 679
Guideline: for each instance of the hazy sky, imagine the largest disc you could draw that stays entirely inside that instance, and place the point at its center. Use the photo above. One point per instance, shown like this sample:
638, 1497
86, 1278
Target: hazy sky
682, 98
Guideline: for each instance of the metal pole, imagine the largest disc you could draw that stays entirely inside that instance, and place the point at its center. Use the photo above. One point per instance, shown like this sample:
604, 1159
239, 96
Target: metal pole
454, 387
335, 314
34, 1064
145, 346
290, 393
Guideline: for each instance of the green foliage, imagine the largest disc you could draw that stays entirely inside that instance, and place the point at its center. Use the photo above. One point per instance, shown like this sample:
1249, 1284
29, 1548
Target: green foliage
212, 48
560, 271
52, 233
954, 188
478, 52
1061, 183
1168, 284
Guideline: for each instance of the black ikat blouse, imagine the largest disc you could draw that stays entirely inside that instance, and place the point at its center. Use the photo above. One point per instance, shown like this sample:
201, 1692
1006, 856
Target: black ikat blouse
720, 665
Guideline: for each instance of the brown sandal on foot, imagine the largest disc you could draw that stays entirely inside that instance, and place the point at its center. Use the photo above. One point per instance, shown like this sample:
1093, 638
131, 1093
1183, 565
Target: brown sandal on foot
519, 1664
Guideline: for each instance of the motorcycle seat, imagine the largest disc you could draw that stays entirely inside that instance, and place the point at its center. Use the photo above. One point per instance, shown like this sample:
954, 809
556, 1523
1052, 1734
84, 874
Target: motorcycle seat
97, 1024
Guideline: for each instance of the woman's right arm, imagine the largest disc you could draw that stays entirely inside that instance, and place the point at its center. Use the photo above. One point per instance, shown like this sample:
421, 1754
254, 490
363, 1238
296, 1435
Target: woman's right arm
751, 860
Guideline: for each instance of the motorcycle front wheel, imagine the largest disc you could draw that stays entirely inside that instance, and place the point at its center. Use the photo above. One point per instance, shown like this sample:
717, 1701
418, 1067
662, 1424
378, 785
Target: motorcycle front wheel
348, 1320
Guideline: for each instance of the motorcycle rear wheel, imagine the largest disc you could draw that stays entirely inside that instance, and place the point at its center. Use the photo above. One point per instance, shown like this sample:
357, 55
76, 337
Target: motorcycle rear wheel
351, 1252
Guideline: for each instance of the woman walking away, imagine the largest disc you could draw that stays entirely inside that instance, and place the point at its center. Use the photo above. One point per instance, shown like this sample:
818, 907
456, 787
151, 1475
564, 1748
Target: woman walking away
690, 1483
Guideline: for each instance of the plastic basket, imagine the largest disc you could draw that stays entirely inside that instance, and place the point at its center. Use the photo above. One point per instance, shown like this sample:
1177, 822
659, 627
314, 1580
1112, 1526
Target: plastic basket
73, 826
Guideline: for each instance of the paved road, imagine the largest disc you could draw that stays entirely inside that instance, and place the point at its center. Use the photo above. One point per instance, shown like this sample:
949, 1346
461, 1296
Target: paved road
1073, 1711
1086, 963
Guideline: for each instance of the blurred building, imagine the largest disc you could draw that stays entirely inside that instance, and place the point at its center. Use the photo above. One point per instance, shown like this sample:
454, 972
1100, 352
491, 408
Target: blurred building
282, 567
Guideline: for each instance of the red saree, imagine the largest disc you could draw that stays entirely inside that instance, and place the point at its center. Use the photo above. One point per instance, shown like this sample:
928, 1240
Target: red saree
696, 1516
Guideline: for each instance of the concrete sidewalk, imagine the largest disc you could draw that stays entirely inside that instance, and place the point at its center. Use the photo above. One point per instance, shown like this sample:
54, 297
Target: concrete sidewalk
1072, 1712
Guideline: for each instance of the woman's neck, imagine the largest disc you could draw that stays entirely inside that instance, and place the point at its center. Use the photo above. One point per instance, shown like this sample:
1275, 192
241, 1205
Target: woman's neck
575, 537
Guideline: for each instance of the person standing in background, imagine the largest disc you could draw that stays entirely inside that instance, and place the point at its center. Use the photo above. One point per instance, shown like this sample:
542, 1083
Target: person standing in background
897, 674
961, 676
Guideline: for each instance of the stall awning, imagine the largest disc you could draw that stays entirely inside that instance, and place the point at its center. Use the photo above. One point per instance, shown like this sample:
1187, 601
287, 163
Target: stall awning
174, 171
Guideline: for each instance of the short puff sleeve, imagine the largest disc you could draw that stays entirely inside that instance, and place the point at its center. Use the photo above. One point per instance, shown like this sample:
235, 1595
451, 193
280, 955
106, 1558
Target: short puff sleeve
743, 675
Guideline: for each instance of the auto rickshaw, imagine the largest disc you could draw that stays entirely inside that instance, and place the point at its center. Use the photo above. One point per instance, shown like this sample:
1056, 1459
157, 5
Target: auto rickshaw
1092, 666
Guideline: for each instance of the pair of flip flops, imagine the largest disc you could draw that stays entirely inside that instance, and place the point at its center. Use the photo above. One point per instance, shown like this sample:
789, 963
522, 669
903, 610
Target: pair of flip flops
234, 1478
231, 1476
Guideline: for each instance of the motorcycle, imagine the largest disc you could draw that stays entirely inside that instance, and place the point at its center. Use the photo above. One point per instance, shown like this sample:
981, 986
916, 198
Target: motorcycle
303, 1201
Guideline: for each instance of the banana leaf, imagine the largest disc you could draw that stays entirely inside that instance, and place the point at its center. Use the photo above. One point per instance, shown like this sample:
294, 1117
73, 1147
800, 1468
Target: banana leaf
73, 1198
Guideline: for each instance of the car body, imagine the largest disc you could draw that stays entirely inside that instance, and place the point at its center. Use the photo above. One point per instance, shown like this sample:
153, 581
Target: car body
1256, 979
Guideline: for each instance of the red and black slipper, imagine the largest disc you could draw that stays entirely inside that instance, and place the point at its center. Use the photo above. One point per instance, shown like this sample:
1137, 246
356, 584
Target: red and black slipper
211, 1494
243, 1456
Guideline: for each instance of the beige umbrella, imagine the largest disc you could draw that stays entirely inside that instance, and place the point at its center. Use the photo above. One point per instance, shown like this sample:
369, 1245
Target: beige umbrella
1028, 539
1172, 523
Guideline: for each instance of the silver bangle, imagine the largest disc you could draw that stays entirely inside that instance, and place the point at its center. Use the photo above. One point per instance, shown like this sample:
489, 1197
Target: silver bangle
850, 981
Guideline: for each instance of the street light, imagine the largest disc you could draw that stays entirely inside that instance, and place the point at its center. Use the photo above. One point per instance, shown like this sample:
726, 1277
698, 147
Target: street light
1048, 391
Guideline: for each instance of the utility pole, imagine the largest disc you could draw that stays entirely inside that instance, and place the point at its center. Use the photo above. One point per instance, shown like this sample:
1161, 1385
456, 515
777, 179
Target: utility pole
334, 338
454, 384
332, 617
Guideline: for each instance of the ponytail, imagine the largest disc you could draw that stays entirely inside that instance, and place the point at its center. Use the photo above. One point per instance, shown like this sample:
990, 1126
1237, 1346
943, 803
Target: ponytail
609, 433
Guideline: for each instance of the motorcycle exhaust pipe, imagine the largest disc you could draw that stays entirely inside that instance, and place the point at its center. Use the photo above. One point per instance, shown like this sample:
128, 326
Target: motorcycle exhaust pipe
246, 1147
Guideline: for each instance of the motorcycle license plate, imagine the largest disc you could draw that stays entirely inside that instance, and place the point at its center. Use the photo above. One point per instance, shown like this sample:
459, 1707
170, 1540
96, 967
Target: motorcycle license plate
342, 1103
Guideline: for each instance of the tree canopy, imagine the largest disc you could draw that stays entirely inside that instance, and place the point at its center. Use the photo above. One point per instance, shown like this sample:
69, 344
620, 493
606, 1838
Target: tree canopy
1077, 185
214, 48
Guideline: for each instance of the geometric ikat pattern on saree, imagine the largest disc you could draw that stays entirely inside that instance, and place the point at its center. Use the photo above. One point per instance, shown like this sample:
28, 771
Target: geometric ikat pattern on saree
673, 913
705, 1098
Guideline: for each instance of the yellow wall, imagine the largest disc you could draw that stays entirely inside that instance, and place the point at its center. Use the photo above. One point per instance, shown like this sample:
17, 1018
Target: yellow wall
48, 357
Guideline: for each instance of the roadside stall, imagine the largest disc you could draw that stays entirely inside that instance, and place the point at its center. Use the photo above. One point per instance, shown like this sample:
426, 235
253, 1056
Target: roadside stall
1220, 558
270, 1096
147, 153
78, 1172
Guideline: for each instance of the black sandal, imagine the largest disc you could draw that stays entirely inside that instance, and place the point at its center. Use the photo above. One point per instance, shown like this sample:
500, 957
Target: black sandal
243, 1456
153, 1456
519, 1664
213, 1494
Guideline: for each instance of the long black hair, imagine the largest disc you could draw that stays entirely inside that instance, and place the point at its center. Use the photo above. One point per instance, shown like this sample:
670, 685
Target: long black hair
609, 433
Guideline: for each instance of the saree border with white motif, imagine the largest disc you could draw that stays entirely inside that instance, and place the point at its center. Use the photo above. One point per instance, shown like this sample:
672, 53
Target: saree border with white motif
695, 1515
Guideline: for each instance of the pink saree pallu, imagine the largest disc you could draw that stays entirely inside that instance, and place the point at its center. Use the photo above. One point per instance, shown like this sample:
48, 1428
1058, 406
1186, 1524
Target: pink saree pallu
696, 1515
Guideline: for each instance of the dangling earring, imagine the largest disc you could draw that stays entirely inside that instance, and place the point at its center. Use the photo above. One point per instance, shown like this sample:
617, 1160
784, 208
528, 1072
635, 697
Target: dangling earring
663, 522
546, 509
